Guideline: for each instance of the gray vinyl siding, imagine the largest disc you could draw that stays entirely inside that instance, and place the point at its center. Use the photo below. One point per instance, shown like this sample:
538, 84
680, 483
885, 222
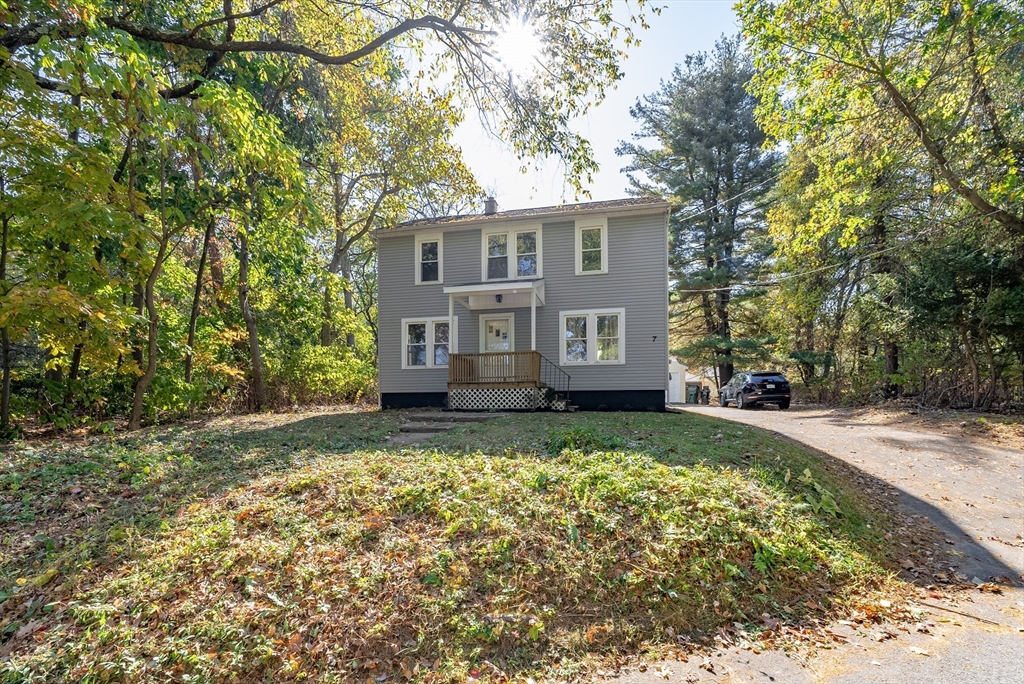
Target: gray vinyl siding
637, 281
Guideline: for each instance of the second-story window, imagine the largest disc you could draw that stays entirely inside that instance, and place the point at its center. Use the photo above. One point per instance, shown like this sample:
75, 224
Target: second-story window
591, 246
429, 255
512, 253
497, 256
526, 254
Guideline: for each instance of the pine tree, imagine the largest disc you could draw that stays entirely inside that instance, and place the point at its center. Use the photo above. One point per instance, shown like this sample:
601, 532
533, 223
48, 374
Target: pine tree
709, 162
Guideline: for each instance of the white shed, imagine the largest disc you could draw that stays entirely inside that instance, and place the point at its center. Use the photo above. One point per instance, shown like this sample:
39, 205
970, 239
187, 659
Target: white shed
676, 381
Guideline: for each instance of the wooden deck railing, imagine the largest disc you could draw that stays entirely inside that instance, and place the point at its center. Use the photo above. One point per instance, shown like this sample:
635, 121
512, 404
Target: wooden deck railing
494, 368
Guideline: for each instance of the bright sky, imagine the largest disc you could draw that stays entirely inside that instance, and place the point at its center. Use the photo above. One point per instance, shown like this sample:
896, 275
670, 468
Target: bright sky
685, 26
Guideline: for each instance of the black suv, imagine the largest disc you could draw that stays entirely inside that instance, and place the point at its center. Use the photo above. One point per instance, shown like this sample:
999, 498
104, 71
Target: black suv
748, 389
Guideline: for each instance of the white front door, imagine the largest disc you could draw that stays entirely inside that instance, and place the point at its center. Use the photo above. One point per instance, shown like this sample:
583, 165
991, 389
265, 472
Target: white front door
496, 333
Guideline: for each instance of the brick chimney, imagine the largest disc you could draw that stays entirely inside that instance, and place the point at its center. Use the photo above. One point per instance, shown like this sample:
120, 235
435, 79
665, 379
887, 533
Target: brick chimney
490, 206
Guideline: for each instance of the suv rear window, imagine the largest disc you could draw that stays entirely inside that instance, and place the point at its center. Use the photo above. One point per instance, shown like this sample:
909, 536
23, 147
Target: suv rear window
767, 377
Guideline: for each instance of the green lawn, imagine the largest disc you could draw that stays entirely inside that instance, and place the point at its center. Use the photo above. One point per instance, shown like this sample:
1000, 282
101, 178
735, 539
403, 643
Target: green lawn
285, 548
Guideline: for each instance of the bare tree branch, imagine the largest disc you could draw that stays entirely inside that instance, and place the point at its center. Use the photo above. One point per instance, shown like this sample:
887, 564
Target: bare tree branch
199, 43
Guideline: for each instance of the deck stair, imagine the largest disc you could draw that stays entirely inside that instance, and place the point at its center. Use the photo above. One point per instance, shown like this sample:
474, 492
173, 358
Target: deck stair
420, 427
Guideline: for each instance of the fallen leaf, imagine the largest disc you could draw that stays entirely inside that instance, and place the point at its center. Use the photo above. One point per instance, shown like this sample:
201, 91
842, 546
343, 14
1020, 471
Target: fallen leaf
47, 577
919, 651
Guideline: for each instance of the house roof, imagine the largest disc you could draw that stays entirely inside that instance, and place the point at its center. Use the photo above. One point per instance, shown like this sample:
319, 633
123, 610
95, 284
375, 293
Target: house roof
629, 204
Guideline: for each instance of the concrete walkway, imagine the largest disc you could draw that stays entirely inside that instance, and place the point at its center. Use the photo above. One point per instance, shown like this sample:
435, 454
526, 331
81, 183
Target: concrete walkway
972, 492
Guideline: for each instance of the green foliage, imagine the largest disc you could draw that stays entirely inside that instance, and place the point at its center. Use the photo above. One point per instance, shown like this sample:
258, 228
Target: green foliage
317, 375
585, 440
820, 500
901, 193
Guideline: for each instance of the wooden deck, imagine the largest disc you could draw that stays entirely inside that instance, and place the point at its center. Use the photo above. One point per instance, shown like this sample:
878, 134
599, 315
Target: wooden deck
494, 370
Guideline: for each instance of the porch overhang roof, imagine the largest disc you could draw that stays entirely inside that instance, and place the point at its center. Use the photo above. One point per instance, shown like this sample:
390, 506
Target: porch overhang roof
514, 294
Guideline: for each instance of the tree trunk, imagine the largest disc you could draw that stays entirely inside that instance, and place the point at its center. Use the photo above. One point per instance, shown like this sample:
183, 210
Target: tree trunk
144, 380
805, 343
725, 363
259, 388
56, 374
217, 275
138, 303
973, 363
341, 263
709, 314
76, 354
346, 273
892, 365
76, 358
993, 370
326, 328
196, 294
5, 336
988, 106
883, 266
5, 392
1011, 222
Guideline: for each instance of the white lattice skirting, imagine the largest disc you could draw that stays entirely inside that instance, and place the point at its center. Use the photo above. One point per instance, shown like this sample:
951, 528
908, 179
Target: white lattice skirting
505, 398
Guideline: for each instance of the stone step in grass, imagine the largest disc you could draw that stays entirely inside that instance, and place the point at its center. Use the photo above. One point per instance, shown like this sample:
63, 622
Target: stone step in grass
426, 428
452, 417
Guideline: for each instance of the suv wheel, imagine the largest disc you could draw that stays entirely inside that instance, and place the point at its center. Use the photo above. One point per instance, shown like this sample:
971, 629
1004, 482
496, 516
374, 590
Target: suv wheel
721, 400
740, 404
783, 405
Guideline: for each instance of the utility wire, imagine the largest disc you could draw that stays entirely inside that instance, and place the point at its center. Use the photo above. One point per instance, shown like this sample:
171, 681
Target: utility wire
727, 201
829, 144
781, 279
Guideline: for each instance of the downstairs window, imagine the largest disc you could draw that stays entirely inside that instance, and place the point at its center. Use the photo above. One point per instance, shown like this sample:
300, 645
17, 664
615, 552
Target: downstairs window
426, 343
592, 337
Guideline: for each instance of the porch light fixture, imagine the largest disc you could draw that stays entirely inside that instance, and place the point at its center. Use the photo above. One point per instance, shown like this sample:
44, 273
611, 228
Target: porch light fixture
498, 298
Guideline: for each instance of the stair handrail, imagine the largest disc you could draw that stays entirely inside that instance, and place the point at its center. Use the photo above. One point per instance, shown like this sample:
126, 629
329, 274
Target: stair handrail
554, 377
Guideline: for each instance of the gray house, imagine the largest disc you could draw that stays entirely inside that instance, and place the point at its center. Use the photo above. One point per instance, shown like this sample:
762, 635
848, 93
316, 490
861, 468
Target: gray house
552, 307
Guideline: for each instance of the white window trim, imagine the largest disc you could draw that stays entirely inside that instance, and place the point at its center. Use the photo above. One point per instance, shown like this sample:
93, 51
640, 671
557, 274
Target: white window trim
430, 237
453, 340
592, 315
599, 222
513, 256
511, 317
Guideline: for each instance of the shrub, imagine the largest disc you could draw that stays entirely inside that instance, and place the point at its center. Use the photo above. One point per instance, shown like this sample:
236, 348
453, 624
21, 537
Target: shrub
314, 374
581, 439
